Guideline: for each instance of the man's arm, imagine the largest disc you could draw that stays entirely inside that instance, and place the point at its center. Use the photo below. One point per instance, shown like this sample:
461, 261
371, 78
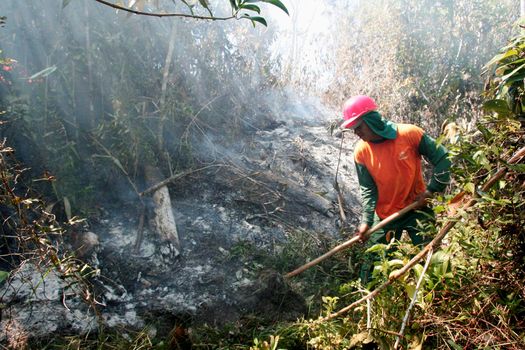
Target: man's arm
368, 190
437, 155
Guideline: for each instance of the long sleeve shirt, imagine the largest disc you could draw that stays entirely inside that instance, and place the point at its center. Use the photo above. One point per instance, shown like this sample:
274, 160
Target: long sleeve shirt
390, 175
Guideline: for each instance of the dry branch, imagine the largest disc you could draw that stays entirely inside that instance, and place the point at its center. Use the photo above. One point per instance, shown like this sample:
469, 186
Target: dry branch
156, 14
175, 177
299, 193
117, 162
279, 188
353, 240
413, 302
340, 200
433, 245
140, 229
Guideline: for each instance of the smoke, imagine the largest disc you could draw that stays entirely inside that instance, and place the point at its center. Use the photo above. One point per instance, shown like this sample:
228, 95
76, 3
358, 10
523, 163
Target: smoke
89, 87
97, 94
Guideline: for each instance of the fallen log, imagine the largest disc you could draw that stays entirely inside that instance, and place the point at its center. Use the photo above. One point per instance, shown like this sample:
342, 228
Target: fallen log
287, 189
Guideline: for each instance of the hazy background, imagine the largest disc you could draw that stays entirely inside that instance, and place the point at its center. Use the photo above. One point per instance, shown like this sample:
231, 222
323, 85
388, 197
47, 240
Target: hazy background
93, 95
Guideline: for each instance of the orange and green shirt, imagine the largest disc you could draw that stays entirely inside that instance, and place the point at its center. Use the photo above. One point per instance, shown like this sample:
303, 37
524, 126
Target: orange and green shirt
389, 171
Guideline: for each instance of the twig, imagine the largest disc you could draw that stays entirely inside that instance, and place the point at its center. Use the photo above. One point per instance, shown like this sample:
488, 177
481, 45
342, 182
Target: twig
140, 229
368, 314
154, 14
250, 178
117, 162
175, 177
340, 200
386, 332
64, 300
414, 298
195, 121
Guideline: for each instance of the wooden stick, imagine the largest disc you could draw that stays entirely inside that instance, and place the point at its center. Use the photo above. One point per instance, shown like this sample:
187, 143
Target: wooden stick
413, 302
353, 240
431, 246
340, 200
173, 178
140, 229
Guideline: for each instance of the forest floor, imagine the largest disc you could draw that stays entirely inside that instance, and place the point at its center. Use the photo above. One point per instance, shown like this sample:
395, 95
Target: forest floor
233, 221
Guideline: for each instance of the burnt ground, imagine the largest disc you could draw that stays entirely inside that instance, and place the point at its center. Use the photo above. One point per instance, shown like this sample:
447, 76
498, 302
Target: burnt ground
233, 220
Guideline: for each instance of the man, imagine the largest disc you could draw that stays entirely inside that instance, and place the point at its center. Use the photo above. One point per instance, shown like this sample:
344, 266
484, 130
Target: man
388, 164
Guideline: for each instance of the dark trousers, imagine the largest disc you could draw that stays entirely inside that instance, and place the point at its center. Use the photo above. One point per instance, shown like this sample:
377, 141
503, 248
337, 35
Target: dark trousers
413, 222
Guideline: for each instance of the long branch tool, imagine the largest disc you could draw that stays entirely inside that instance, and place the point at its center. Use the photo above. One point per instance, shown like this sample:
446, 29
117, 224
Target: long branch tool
340, 200
353, 240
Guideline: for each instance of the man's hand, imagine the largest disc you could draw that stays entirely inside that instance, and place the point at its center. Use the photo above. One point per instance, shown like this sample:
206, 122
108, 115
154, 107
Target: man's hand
423, 199
361, 230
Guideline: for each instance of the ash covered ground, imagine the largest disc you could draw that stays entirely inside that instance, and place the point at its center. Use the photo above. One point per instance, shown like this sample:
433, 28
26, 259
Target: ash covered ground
279, 179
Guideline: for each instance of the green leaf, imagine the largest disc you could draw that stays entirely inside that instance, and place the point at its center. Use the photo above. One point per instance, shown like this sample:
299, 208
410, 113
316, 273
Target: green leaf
65, 3
438, 209
430, 295
3, 276
502, 56
454, 345
279, 4
204, 3
498, 106
470, 187
511, 74
395, 262
439, 257
376, 248
234, 5
520, 168
513, 78
250, 7
410, 290
418, 270
256, 19
512, 63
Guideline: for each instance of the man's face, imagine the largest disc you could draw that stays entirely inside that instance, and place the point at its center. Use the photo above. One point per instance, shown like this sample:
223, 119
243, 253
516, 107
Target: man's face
365, 133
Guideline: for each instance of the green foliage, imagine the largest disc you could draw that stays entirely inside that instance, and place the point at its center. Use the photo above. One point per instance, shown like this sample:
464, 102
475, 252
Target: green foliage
508, 69
265, 345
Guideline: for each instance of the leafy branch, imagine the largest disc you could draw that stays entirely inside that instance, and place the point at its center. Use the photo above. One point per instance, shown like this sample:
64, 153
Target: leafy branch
239, 8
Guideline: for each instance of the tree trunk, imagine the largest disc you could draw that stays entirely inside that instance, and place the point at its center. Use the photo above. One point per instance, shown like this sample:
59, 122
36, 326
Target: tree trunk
165, 76
164, 218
